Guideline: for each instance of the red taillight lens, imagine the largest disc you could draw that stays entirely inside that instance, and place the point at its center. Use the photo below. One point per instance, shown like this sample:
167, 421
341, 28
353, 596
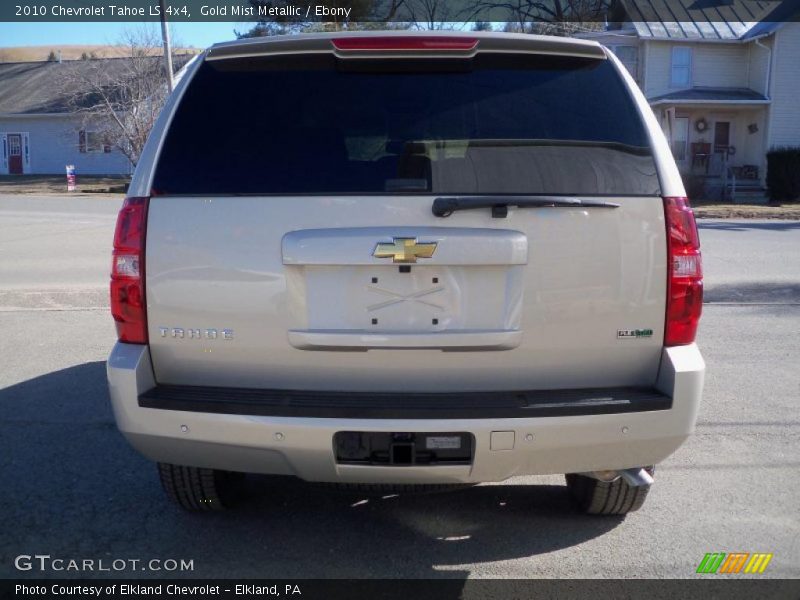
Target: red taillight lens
127, 272
405, 43
685, 273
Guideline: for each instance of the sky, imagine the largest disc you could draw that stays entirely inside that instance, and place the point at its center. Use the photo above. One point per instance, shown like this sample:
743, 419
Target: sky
200, 35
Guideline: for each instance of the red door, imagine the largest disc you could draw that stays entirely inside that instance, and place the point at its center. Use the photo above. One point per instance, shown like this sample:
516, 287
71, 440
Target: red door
15, 154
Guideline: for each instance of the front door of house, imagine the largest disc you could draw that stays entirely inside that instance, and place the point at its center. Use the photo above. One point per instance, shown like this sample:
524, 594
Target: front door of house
15, 153
722, 137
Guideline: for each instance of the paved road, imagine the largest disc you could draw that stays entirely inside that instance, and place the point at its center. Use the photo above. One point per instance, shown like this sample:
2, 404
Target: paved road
70, 486
751, 261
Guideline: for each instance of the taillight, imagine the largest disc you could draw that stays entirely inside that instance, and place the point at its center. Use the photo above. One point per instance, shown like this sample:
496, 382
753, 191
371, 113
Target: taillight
127, 272
405, 43
685, 273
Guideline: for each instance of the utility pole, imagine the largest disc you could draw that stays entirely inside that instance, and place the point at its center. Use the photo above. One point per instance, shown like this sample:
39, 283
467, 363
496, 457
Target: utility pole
166, 44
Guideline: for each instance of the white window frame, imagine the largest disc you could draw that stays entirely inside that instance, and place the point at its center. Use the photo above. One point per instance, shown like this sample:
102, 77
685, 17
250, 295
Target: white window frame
688, 66
21, 149
93, 149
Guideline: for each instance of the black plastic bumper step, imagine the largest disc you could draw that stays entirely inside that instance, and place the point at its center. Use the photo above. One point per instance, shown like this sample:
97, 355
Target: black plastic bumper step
400, 405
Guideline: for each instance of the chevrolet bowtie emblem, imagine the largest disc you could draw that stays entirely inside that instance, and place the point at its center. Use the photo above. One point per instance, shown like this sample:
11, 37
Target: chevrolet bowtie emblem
404, 250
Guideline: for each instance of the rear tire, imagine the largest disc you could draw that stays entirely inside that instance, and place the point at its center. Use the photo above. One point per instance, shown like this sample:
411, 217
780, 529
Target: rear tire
200, 490
594, 497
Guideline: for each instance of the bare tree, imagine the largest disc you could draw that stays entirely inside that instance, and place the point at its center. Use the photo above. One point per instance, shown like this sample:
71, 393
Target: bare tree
118, 99
431, 14
364, 15
554, 17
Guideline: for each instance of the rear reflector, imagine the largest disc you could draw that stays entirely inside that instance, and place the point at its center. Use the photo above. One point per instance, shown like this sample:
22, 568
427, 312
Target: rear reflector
685, 273
127, 272
405, 43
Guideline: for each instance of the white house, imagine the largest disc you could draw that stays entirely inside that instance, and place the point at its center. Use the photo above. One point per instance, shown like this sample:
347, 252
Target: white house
722, 75
39, 134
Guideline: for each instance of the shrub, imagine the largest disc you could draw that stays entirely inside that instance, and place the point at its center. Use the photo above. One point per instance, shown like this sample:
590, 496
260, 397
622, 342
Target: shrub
783, 174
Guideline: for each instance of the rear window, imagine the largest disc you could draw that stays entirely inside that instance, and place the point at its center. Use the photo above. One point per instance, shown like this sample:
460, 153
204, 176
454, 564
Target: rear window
496, 124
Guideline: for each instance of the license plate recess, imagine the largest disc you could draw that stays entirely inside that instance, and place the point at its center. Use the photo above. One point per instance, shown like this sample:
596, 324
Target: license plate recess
403, 448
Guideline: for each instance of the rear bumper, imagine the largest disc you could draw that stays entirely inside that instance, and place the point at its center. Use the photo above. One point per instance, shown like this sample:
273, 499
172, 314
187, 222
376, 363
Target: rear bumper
403, 406
281, 433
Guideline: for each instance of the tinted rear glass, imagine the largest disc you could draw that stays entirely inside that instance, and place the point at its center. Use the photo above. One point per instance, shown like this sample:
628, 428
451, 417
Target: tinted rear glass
496, 124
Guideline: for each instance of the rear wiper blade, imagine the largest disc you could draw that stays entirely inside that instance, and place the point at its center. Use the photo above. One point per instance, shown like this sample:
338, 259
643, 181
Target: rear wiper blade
444, 207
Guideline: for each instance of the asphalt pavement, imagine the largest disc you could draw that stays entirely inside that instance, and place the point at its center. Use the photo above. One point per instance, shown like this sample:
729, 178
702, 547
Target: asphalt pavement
71, 487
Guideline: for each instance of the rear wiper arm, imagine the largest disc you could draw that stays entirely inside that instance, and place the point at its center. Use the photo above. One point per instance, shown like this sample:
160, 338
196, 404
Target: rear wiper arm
444, 207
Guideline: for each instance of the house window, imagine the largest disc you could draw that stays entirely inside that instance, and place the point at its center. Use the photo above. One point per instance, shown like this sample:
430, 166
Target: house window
628, 56
680, 137
92, 141
15, 145
681, 67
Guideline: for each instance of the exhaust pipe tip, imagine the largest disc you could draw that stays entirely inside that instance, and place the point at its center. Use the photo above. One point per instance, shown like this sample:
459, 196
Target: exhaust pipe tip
637, 477
634, 477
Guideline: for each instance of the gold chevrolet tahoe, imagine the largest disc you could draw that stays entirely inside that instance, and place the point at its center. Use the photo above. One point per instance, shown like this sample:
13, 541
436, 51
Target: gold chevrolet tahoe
407, 259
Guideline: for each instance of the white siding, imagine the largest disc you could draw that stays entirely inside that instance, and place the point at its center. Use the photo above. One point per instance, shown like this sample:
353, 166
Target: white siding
784, 127
657, 69
758, 63
53, 144
720, 65
713, 65
750, 146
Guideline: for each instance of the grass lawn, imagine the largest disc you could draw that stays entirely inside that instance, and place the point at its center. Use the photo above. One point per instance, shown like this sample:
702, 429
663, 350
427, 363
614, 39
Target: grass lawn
704, 210
57, 184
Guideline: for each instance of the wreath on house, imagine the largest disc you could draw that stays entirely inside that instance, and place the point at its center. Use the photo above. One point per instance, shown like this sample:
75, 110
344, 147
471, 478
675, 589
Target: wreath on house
701, 125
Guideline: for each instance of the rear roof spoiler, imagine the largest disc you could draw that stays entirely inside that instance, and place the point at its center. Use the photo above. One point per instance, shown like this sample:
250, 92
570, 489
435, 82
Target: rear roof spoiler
486, 42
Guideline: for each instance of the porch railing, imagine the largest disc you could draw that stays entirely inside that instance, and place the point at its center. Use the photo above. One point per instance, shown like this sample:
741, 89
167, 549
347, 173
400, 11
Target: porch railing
729, 183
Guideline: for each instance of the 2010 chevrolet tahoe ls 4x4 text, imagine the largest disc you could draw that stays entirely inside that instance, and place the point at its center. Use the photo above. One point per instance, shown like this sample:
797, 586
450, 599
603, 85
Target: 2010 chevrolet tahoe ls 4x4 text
407, 259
